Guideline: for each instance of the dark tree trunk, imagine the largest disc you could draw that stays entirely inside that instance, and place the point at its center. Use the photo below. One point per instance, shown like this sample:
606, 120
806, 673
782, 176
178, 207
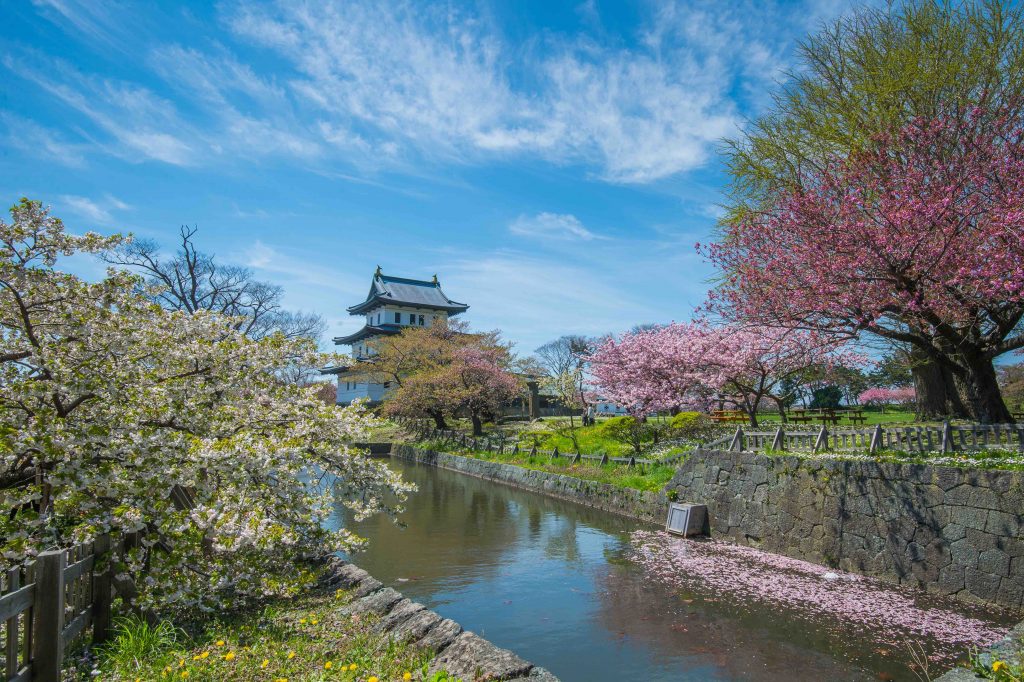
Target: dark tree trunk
781, 404
937, 394
439, 421
478, 425
981, 389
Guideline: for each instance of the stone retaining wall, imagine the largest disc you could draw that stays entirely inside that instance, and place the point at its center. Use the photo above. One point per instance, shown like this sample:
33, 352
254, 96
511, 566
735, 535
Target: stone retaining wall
948, 530
637, 504
461, 653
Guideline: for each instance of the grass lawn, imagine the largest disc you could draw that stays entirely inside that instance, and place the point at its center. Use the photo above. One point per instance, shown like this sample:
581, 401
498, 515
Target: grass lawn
304, 638
651, 478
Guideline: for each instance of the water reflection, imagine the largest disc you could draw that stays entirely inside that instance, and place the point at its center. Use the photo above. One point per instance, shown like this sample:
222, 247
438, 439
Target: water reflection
551, 580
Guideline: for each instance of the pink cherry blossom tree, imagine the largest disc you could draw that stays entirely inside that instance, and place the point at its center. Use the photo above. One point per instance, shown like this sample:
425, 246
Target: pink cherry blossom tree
917, 239
700, 364
901, 395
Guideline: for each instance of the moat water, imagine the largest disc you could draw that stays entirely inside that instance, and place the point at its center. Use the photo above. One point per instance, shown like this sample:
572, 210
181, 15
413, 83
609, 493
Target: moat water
562, 585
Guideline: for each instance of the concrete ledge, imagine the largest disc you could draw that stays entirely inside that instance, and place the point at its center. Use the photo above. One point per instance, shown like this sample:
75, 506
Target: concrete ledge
461, 653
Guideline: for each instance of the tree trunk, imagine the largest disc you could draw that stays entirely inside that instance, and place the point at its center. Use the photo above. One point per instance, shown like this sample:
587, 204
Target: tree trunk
781, 404
936, 389
478, 425
439, 421
981, 389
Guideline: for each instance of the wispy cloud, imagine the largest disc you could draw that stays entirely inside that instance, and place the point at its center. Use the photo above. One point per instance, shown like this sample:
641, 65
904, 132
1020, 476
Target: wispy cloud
388, 85
552, 226
97, 210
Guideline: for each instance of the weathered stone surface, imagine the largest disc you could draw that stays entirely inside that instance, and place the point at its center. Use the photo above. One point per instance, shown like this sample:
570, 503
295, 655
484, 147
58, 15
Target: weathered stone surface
440, 635
416, 626
378, 603
366, 586
473, 658
398, 614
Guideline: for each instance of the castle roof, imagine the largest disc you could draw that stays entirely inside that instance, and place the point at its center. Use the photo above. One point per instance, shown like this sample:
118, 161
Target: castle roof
415, 293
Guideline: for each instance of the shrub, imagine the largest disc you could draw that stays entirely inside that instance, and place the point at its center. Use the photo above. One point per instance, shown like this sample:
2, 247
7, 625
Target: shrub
692, 426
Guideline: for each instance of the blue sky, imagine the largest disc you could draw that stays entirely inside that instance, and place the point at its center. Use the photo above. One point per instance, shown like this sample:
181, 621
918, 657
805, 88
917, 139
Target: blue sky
554, 163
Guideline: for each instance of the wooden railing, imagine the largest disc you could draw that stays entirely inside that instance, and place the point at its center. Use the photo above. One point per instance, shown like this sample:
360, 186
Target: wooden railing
501, 444
48, 605
944, 439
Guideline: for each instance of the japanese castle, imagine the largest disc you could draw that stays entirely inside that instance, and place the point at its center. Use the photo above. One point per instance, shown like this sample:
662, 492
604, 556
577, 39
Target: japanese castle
392, 304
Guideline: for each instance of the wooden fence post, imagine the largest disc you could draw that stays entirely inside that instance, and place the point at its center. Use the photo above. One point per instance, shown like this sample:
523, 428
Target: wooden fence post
48, 617
554, 454
737, 440
947, 437
822, 441
779, 443
13, 645
604, 458
101, 588
876, 439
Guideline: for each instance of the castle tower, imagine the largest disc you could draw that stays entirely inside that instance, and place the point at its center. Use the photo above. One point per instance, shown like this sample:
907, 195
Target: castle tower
392, 304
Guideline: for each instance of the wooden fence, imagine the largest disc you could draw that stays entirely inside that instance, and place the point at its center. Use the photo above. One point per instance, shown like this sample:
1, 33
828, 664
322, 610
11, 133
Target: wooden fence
48, 605
944, 439
501, 444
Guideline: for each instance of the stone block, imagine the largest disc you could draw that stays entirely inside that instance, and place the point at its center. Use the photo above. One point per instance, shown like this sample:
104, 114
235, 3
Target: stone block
366, 586
1003, 524
1011, 591
399, 613
416, 626
994, 561
970, 517
440, 635
471, 658
984, 586
377, 603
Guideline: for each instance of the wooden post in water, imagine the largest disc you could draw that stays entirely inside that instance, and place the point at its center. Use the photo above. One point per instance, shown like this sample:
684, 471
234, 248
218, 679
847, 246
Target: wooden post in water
48, 617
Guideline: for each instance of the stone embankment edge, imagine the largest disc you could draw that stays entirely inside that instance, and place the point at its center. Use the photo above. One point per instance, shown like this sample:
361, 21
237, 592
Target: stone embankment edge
640, 505
459, 652
1007, 649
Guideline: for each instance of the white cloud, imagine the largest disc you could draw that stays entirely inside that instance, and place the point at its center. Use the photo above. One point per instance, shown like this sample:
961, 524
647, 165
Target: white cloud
377, 84
552, 226
97, 210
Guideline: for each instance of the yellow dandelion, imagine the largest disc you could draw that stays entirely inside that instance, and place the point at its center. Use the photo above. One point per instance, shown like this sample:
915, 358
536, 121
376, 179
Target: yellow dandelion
196, 657
204, 655
302, 621
328, 665
339, 593
229, 656
353, 667
184, 674
281, 679
291, 655
220, 642
181, 663
265, 663
373, 679
997, 666
313, 621
407, 676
